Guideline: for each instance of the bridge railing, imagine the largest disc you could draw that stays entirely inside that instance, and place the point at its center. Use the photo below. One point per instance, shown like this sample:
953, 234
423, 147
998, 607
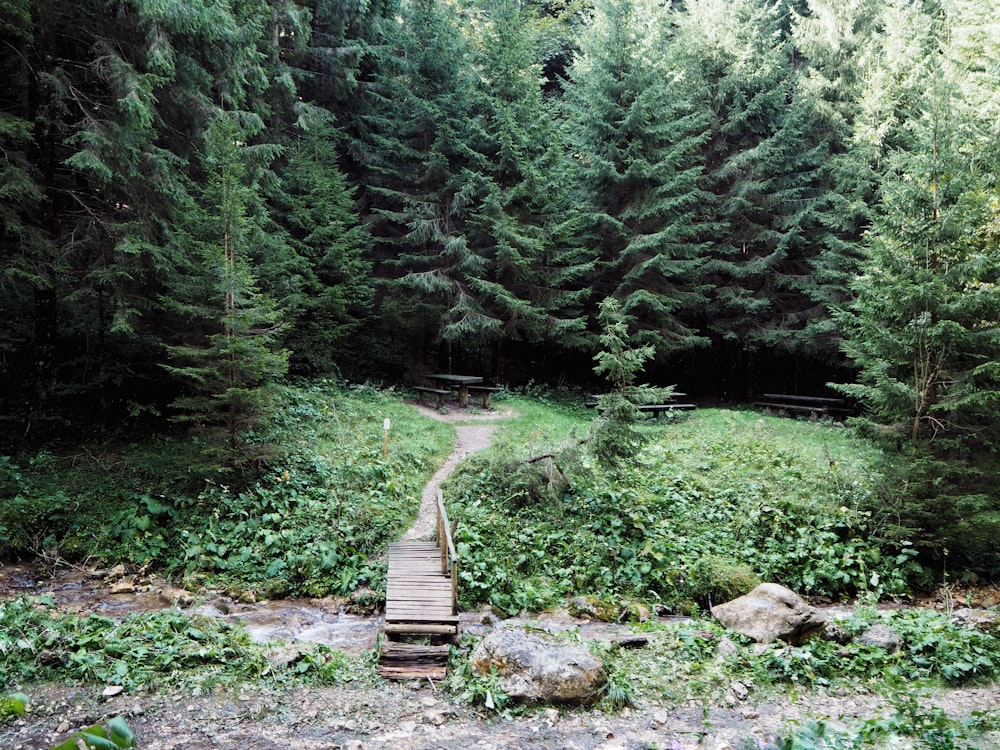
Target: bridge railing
449, 557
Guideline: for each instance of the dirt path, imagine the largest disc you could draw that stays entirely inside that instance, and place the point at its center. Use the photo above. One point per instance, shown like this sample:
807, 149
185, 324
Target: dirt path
469, 439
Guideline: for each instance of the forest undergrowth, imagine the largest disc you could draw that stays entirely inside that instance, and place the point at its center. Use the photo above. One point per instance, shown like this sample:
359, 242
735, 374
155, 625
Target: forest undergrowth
715, 502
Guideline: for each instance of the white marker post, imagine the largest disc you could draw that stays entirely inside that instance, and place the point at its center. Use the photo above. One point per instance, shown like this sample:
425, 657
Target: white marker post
385, 438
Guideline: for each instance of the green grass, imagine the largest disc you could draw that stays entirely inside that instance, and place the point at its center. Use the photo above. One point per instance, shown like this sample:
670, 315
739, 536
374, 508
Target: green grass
715, 501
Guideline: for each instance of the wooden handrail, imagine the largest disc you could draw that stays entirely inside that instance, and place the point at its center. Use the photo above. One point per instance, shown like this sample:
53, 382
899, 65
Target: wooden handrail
449, 557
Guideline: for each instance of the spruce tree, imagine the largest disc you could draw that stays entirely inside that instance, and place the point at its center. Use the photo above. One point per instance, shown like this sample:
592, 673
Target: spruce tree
532, 281
226, 350
636, 136
772, 210
924, 328
425, 180
332, 290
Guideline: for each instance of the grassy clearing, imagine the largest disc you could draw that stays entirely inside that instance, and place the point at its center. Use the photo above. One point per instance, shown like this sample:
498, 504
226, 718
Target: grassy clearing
716, 501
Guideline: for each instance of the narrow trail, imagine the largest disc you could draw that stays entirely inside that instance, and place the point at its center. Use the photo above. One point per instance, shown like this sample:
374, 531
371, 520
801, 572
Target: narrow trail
469, 439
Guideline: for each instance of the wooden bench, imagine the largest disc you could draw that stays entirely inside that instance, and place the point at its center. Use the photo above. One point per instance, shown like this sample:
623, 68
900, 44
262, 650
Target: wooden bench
486, 390
655, 409
658, 409
784, 404
439, 394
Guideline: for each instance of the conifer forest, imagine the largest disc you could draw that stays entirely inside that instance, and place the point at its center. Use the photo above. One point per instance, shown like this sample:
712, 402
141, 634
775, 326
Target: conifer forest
202, 198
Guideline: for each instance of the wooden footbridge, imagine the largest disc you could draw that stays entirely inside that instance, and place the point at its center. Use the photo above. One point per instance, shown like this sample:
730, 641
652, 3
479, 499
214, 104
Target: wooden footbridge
421, 602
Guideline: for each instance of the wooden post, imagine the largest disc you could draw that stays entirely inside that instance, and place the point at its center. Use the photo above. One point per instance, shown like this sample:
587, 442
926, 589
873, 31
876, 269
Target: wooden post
385, 438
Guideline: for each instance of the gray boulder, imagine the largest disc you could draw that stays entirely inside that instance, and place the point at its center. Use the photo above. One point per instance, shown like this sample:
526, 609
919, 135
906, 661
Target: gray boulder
536, 668
770, 612
986, 620
881, 636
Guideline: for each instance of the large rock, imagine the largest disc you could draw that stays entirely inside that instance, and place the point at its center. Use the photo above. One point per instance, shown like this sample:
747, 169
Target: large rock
985, 620
536, 668
881, 636
770, 612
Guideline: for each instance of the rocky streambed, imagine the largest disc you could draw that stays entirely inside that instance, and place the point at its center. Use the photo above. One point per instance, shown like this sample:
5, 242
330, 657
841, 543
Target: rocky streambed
402, 716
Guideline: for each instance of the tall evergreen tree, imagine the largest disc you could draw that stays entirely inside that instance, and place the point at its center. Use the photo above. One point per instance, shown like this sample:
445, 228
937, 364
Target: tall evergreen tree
636, 136
425, 180
532, 280
226, 350
333, 291
925, 330
121, 93
780, 253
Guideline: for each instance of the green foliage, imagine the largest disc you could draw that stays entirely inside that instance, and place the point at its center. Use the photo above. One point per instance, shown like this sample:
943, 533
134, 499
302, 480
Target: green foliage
318, 514
635, 130
228, 353
322, 514
714, 504
144, 649
477, 689
149, 650
613, 439
117, 734
327, 294
929, 726
13, 704
718, 502
922, 327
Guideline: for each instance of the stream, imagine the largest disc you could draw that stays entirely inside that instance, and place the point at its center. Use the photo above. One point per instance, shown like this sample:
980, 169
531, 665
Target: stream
114, 594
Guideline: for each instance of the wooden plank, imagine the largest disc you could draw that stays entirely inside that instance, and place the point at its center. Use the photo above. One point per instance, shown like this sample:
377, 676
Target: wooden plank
408, 628
803, 399
419, 598
413, 673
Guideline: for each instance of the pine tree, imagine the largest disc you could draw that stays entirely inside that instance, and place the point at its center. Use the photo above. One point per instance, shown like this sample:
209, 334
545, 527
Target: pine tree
426, 180
332, 294
121, 94
767, 168
531, 281
924, 330
227, 350
613, 438
637, 138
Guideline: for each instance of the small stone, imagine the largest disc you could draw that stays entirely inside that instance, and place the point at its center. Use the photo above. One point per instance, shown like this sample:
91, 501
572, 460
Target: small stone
881, 636
749, 714
434, 718
112, 690
124, 586
725, 648
62, 728
740, 691
659, 719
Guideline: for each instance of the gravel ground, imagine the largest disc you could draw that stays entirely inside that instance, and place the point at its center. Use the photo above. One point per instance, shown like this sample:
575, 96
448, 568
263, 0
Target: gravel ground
416, 716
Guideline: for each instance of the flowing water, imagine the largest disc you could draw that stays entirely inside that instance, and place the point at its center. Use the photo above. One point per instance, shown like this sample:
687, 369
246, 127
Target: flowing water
88, 591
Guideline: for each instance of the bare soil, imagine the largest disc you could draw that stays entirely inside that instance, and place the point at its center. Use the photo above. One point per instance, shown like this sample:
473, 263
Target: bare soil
418, 716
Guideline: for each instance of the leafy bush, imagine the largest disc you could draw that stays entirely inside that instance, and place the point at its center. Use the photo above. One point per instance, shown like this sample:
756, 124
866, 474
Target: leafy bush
116, 735
142, 650
315, 514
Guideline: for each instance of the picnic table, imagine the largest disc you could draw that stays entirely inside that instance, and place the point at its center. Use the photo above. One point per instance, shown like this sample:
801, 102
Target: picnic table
654, 409
814, 406
461, 382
